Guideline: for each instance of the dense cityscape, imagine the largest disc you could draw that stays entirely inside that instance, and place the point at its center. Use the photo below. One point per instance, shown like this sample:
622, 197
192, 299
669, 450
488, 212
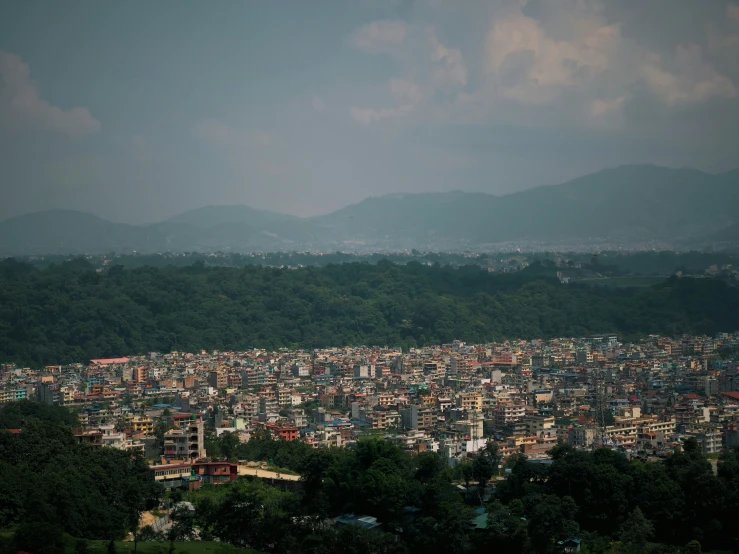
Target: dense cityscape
641, 398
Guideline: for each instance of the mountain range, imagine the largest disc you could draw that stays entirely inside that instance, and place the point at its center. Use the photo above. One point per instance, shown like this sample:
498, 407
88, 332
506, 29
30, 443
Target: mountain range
627, 205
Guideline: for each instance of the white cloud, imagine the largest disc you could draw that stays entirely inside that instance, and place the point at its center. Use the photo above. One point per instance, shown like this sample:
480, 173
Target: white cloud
369, 115
21, 105
450, 68
405, 91
539, 62
689, 79
379, 36
426, 63
601, 106
527, 65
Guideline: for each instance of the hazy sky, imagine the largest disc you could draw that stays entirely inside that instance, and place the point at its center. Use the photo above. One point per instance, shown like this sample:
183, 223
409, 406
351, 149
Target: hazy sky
137, 110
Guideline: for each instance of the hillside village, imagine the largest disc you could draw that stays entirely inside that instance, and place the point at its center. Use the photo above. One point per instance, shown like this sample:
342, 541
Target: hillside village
641, 398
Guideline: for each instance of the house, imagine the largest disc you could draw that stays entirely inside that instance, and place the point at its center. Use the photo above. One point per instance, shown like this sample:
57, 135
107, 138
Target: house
568, 546
368, 522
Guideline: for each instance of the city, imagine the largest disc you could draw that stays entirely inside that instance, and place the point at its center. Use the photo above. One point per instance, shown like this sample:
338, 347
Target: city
640, 398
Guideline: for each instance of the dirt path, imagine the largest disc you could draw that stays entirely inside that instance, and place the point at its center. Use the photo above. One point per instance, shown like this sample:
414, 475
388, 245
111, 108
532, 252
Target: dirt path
246, 470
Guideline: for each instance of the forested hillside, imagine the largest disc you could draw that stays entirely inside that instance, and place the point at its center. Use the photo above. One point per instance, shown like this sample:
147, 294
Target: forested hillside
70, 313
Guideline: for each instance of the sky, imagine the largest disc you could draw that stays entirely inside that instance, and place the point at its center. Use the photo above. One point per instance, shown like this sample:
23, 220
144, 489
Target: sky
138, 110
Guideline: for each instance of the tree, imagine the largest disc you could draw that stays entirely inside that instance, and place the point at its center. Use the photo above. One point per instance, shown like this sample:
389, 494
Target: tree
635, 532
39, 538
693, 547
552, 519
229, 445
466, 471
183, 527
482, 469
148, 534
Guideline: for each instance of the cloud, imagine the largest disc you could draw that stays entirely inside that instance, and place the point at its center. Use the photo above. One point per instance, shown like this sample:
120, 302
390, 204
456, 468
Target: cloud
732, 13
214, 131
406, 93
449, 68
600, 106
427, 67
223, 135
544, 63
20, 103
318, 104
369, 115
688, 79
525, 64
379, 36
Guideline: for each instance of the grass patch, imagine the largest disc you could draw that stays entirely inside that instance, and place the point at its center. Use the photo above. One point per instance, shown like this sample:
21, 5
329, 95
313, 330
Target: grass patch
278, 469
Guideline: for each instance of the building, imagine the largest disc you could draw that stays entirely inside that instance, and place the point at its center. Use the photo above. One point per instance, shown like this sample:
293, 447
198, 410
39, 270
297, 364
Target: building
582, 437
507, 413
470, 401
285, 432
142, 424
176, 475
186, 442
215, 473
49, 393
218, 380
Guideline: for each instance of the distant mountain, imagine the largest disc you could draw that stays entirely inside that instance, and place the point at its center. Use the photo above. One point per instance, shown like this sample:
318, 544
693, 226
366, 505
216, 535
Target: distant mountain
628, 203
67, 231
625, 206
212, 216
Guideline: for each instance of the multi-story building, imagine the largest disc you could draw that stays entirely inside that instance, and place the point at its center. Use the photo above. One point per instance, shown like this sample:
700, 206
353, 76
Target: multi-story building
187, 442
470, 401
218, 380
142, 424
505, 413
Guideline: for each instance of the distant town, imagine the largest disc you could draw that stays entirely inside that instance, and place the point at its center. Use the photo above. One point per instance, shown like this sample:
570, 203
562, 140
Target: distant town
642, 398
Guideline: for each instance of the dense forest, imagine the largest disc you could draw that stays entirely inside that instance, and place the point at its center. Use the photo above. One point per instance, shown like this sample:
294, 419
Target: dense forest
71, 313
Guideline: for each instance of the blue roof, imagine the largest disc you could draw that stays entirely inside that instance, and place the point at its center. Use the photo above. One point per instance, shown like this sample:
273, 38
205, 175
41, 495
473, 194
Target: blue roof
368, 522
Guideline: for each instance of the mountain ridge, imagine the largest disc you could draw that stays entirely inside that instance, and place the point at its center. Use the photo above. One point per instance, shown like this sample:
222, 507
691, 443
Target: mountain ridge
628, 204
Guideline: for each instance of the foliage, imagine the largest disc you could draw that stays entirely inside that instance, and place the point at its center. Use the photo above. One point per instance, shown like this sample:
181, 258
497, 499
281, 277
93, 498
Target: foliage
46, 478
39, 538
14, 415
674, 501
70, 313
635, 532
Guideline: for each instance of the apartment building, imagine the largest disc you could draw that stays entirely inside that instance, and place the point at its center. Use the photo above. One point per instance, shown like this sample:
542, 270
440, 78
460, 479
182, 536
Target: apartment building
470, 401
505, 413
188, 441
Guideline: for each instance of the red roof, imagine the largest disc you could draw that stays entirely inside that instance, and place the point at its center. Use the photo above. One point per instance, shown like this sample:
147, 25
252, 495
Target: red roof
734, 395
108, 361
